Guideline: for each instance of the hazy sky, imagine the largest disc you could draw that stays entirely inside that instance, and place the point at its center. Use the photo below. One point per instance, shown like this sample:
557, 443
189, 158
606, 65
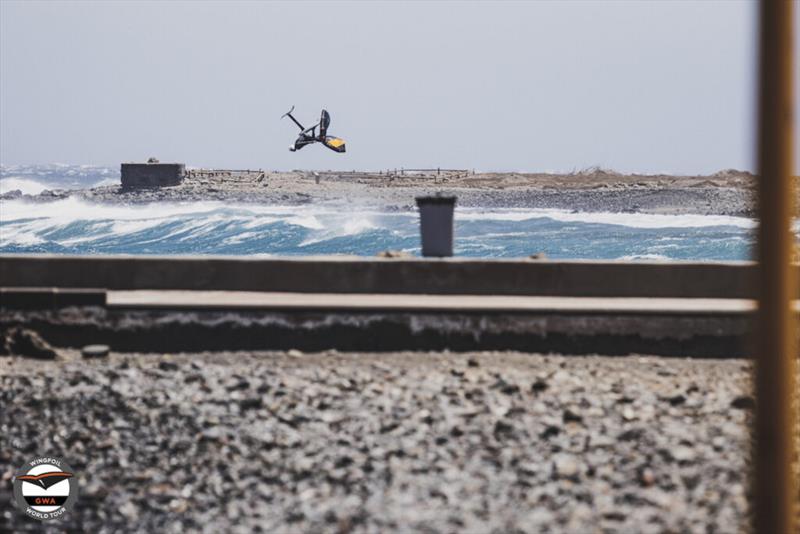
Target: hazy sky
636, 86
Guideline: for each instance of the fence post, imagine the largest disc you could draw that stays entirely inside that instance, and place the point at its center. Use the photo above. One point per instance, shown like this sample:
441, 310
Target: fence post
774, 485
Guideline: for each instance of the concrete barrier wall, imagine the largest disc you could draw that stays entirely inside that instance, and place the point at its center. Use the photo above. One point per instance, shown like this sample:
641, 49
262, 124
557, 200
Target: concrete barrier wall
176, 331
151, 174
374, 275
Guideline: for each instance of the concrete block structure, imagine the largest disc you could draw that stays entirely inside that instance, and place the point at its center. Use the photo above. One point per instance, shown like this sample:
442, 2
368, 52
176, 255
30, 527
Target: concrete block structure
134, 175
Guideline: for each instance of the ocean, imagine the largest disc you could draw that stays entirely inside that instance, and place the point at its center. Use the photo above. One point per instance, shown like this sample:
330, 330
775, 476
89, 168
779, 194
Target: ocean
75, 226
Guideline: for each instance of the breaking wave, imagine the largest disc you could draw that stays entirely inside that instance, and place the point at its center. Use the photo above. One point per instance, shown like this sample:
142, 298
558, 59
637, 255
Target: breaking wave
26, 186
74, 226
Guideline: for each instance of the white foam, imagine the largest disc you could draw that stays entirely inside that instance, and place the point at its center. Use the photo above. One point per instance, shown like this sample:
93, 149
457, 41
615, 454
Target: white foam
340, 225
73, 208
357, 226
202, 227
27, 186
633, 220
127, 227
493, 235
18, 236
107, 181
306, 221
651, 257
259, 222
240, 238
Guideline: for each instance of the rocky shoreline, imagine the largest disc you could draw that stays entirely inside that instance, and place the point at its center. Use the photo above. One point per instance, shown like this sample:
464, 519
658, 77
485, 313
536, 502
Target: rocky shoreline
723, 193
424, 442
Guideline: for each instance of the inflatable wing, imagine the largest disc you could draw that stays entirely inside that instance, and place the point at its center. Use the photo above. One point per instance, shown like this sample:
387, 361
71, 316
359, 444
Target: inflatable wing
324, 122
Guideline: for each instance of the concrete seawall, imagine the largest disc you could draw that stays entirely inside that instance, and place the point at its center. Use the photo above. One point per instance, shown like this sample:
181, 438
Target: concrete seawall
140, 329
172, 303
388, 276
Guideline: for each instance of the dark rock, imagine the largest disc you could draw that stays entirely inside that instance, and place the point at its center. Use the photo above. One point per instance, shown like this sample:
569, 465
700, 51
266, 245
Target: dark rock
550, 432
634, 434
5, 350
389, 427
614, 516
238, 385
26, 342
501, 428
11, 195
251, 403
394, 254
676, 400
343, 461
571, 417
539, 386
167, 366
743, 402
691, 482
505, 387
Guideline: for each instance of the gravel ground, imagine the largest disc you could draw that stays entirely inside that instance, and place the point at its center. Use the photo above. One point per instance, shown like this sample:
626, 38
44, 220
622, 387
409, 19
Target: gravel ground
408, 442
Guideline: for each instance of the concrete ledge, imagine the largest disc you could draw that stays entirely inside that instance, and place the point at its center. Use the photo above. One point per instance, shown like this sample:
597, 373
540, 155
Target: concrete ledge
30, 298
463, 304
390, 276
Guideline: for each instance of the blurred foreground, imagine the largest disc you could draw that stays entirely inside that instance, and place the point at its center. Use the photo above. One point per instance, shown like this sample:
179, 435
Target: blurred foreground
336, 442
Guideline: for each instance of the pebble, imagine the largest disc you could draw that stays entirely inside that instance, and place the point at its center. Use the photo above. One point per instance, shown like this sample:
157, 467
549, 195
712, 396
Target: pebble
646, 477
565, 466
683, 454
95, 351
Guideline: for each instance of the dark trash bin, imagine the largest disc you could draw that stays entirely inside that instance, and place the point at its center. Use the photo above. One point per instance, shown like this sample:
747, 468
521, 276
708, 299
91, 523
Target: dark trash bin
436, 225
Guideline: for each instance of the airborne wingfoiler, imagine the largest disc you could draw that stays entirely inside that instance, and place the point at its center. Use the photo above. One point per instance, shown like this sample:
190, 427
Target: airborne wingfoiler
309, 135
